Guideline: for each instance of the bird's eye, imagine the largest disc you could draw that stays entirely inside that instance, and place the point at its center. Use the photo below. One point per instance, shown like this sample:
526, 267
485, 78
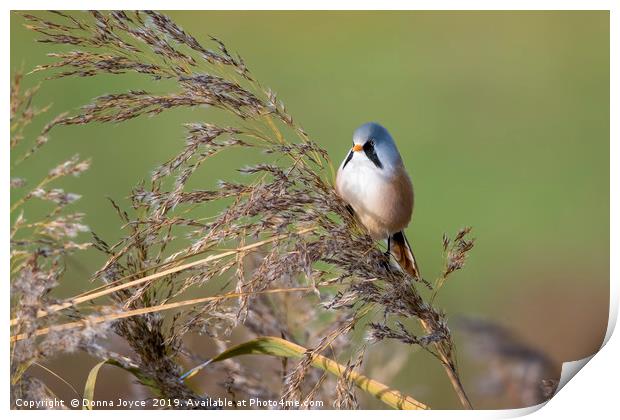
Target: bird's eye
372, 143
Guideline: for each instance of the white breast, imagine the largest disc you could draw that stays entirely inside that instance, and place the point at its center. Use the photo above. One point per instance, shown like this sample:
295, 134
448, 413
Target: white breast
372, 192
360, 182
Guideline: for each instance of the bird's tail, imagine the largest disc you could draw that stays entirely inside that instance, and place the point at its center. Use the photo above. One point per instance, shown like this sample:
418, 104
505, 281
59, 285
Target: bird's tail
401, 251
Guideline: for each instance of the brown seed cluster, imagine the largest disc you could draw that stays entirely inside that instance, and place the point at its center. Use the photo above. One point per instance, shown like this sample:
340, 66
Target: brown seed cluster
513, 368
39, 247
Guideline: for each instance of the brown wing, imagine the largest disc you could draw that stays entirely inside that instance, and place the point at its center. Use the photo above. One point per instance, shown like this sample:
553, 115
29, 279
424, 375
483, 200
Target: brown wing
400, 249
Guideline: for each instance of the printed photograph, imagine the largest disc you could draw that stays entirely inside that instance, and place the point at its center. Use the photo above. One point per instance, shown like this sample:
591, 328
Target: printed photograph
291, 210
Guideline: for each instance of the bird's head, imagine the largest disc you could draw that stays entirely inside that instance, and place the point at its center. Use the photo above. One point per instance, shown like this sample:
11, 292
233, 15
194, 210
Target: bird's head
376, 144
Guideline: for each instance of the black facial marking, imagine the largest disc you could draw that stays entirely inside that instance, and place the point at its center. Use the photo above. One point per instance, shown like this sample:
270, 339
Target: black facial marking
348, 159
369, 149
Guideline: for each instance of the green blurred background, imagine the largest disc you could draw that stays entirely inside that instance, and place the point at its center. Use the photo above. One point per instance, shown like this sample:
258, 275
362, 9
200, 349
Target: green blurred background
502, 119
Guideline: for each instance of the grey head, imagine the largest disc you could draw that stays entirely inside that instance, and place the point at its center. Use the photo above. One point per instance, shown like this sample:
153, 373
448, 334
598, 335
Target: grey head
378, 145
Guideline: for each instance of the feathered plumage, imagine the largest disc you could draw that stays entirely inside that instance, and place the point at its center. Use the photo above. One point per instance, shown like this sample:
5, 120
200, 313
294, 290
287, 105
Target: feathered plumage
374, 181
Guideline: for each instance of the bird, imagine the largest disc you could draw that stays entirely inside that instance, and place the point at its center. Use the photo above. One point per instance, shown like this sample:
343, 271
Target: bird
374, 182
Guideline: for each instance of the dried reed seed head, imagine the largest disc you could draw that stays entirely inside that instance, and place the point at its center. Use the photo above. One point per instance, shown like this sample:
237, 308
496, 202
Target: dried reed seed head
510, 362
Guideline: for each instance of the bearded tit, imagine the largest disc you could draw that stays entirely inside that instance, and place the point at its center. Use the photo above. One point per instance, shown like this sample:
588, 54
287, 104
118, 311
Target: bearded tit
374, 182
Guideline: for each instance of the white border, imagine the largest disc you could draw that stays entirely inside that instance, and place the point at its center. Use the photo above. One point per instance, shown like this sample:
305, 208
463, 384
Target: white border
593, 394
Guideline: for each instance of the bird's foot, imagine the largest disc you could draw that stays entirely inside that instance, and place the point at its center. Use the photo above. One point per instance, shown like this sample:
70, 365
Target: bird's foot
387, 260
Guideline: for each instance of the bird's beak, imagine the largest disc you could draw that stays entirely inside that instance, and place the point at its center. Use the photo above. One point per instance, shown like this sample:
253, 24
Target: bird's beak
357, 148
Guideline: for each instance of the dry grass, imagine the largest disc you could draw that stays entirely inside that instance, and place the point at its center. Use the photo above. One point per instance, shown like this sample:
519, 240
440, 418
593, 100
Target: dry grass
284, 238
